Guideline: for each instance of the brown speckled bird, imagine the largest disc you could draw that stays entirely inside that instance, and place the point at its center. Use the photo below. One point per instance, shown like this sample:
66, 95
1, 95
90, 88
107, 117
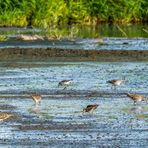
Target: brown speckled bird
30, 37
64, 83
5, 116
116, 82
36, 98
90, 108
136, 97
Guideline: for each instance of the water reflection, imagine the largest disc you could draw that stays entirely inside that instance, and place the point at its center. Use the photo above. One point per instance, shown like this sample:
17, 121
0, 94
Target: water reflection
137, 109
86, 37
101, 30
36, 109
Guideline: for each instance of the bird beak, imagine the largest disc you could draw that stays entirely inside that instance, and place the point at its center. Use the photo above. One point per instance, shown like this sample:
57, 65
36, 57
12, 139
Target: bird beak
83, 111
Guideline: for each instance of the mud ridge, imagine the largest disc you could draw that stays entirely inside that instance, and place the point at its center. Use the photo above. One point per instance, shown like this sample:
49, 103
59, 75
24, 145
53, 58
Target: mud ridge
56, 54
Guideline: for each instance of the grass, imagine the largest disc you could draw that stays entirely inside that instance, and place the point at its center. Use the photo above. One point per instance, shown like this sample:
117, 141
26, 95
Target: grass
122, 31
3, 38
50, 13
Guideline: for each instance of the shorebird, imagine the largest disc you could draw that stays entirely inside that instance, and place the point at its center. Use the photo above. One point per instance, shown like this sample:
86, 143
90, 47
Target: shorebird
98, 41
30, 37
5, 116
116, 82
90, 108
64, 83
36, 98
136, 97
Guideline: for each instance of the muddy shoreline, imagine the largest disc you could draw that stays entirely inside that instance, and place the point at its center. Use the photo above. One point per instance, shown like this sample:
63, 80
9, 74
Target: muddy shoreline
57, 54
50, 94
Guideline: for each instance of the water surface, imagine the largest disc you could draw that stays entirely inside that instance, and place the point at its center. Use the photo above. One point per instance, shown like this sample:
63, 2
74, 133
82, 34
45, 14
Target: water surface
135, 37
59, 120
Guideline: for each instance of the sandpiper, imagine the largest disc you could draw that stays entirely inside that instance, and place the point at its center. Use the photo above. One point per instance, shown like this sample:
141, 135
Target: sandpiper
90, 108
64, 83
36, 98
30, 37
116, 82
100, 40
5, 116
136, 97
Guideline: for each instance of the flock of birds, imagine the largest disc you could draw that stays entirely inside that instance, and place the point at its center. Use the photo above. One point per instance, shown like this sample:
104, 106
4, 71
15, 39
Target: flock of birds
89, 108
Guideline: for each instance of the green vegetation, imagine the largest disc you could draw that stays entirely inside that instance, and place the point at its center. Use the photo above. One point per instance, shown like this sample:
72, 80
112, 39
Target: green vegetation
47, 13
142, 116
3, 38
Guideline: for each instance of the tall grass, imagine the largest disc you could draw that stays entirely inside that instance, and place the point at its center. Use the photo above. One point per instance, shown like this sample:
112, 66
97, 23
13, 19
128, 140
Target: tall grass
47, 13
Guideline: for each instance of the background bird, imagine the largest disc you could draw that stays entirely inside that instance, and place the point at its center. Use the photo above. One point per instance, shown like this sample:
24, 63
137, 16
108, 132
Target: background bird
64, 83
136, 97
116, 82
36, 98
90, 108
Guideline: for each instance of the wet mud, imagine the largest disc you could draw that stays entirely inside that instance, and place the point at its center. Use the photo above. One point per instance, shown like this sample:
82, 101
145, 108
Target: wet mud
70, 55
88, 49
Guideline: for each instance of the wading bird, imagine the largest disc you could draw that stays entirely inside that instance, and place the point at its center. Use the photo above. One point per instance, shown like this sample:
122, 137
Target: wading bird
5, 116
64, 83
136, 97
36, 98
90, 108
116, 82
30, 37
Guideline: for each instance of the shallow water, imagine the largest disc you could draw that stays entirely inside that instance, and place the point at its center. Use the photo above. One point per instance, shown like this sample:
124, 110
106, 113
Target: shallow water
83, 38
110, 43
101, 30
59, 121
92, 76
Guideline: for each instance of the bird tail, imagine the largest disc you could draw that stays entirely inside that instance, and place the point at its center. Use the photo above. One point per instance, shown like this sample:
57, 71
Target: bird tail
128, 94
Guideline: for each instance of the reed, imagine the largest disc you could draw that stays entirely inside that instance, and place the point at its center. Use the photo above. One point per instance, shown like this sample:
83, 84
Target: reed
47, 13
3, 38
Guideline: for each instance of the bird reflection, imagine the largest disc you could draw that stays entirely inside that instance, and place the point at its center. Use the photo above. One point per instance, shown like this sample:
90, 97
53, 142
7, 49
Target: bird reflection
136, 109
35, 109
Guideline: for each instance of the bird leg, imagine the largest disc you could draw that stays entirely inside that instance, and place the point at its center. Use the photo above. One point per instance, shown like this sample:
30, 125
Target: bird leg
65, 88
115, 89
135, 103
